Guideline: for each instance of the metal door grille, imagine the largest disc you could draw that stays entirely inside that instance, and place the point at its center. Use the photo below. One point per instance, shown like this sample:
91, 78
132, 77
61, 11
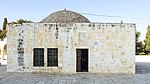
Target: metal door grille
52, 57
38, 57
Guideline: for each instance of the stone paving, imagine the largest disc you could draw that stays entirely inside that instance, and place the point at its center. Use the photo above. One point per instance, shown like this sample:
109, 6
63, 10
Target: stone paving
142, 76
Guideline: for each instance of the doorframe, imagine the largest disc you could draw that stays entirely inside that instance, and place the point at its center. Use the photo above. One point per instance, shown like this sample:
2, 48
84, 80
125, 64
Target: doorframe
77, 59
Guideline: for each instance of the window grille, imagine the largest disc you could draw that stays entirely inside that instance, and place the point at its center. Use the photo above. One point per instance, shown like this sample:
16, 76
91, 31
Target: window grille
38, 57
52, 57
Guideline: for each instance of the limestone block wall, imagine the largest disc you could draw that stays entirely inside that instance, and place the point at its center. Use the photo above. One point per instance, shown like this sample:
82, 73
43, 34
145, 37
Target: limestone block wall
111, 46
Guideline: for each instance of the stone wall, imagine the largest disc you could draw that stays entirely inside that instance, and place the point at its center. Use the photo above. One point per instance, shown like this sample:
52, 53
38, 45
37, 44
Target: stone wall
111, 46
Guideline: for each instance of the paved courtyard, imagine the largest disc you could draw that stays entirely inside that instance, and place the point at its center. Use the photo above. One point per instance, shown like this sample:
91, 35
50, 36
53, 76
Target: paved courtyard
142, 76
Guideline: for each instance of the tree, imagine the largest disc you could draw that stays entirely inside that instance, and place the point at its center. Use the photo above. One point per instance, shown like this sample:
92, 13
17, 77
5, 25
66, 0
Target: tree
4, 23
139, 45
20, 21
137, 35
147, 41
3, 31
3, 34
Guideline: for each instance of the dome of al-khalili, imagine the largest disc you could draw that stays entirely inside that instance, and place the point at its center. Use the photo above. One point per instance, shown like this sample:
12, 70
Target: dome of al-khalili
65, 16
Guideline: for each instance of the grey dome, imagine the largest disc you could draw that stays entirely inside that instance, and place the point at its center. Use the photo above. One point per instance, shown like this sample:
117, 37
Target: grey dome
65, 16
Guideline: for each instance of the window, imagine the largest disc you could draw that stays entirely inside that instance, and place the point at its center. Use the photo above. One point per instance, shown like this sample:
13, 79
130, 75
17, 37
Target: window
38, 57
52, 57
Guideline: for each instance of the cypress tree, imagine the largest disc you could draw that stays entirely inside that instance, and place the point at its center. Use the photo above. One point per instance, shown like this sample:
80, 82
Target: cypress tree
4, 24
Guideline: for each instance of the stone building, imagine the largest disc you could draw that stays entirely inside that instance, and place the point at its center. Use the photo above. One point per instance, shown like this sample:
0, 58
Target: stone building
3, 52
67, 42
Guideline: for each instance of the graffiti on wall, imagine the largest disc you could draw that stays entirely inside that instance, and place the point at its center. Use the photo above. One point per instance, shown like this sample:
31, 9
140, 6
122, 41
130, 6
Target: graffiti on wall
20, 49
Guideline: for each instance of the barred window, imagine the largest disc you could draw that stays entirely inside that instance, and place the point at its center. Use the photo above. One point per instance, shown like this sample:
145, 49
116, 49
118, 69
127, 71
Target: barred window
38, 57
52, 57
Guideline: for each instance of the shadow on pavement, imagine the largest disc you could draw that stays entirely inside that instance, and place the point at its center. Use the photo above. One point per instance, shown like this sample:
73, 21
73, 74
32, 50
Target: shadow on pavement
142, 68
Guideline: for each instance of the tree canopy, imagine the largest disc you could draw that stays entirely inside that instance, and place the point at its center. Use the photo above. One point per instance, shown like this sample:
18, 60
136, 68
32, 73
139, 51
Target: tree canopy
20, 21
4, 31
4, 23
147, 40
139, 45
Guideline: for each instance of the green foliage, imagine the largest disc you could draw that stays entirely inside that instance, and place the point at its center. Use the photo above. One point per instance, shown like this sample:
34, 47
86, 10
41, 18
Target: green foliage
3, 34
1, 31
147, 40
4, 31
142, 53
20, 21
139, 45
137, 35
4, 23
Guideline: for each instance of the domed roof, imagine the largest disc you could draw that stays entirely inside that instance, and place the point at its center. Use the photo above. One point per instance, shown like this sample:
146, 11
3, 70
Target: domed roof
65, 16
